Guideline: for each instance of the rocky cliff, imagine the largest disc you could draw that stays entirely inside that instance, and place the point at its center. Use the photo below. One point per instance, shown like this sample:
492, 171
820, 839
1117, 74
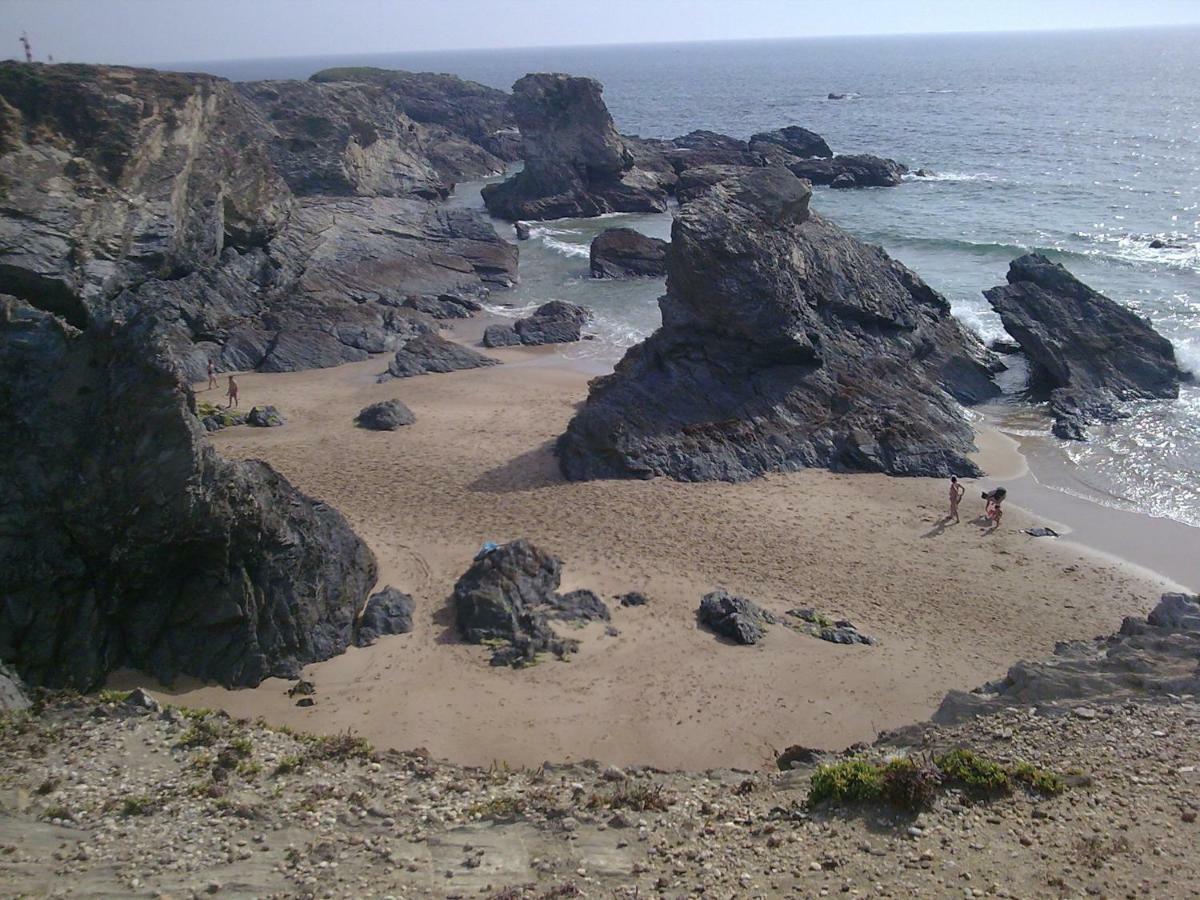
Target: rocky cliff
1087, 352
785, 343
576, 164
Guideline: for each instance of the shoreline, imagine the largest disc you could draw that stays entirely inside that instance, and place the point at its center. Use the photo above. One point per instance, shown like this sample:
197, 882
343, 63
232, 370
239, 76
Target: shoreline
953, 606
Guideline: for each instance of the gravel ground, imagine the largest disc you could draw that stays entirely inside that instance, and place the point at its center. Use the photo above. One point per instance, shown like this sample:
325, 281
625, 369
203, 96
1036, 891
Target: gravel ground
117, 799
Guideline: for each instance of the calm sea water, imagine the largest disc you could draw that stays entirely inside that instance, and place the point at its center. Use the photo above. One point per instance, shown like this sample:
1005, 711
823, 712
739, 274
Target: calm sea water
1085, 146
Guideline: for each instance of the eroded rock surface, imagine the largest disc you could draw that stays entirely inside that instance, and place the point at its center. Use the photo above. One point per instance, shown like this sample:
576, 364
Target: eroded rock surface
1089, 352
785, 343
736, 618
432, 353
622, 252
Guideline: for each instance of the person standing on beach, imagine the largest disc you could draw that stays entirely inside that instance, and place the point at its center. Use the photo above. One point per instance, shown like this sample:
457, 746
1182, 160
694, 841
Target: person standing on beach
993, 510
233, 393
212, 376
956, 495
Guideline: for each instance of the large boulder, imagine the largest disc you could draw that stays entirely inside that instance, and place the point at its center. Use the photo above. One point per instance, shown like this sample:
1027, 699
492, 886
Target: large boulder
736, 618
785, 343
1087, 352
387, 415
387, 612
621, 252
428, 353
862, 170
576, 164
126, 540
556, 322
793, 139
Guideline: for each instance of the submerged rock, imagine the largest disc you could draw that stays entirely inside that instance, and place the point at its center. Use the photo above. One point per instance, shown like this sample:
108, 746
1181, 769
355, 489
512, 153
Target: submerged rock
386, 415
576, 164
428, 353
786, 343
736, 618
1088, 352
620, 252
387, 612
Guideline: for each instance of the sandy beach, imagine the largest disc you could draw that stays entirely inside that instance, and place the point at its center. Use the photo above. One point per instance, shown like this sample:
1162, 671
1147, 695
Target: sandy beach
952, 605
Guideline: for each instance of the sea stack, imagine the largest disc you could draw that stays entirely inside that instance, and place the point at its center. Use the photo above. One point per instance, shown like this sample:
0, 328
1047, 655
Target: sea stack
1087, 351
786, 343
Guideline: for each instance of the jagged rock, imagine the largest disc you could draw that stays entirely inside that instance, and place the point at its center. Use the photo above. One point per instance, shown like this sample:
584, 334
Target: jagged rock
556, 322
522, 229
785, 343
576, 164
264, 417
444, 306
854, 171
736, 618
432, 353
1088, 352
707, 148
501, 336
140, 546
503, 599
795, 140
580, 606
1007, 348
140, 698
387, 415
12, 690
1148, 657
387, 612
477, 112
620, 252
696, 182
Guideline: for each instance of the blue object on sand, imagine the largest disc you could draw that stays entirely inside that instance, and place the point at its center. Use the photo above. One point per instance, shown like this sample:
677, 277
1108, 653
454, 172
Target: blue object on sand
488, 547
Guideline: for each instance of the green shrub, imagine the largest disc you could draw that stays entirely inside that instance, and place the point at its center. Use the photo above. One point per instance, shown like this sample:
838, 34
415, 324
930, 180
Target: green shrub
910, 784
847, 781
137, 806
1038, 780
975, 773
288, 764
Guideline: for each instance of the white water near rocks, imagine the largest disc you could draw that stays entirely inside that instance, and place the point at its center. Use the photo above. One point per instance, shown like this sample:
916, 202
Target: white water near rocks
1084, 146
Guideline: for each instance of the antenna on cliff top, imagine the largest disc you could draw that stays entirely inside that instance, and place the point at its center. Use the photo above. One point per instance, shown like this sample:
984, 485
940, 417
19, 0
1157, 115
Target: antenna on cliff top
28, 48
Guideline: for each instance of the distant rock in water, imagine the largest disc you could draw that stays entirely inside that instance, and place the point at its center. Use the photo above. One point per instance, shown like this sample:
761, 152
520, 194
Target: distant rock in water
1155, 656
387, 415
556, 322
576, 164
1087, 351
795, 140
507, 597
858, 171
786, 343
428, 353
141, 546
621, 252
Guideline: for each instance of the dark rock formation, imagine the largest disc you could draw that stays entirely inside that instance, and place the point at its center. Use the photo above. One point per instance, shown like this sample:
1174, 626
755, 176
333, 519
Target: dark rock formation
264, 417
522, 230
576, 164
432, 353
862, 170
387, 415
633, 598
556, 322
125, 540
795, 140
477, 112
1088, 352
695, 182
580, 606
444, 306
707, 148
1156, 656
12, 690
736, 618
620, 252
837, 631
785, 343
387, 612
505, 598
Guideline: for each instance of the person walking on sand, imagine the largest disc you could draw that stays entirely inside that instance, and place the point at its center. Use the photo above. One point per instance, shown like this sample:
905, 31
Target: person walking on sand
212, 376
233, 393
956, 495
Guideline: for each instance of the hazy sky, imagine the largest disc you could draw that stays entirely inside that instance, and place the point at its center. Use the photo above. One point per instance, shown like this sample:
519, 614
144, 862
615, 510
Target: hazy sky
140, 31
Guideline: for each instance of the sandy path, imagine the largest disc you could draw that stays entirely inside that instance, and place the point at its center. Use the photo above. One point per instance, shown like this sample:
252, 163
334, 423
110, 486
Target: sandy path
952, 606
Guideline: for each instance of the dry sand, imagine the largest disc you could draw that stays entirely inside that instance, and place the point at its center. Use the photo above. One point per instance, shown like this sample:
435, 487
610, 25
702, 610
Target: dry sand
952, 605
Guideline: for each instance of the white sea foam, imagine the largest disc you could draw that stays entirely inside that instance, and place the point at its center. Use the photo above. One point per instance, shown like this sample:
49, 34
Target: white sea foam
1187, 352
951, 176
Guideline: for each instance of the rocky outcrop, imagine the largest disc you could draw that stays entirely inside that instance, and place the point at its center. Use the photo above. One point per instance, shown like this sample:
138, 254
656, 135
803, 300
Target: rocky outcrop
505, 600
1148, 658
576, 164
466, 108
858, 171
431, 353
735, 618
785, 343
444, 306
556, 322
793, 139
1087, 352
125, 540
354, 139
387, 612
621, 252
387, 415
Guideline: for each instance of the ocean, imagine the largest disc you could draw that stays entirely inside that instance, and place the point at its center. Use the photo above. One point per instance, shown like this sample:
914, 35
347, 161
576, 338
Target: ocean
1082, 145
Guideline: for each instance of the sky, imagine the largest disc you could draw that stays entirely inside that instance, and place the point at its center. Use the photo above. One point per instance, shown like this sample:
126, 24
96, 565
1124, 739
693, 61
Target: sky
150, 31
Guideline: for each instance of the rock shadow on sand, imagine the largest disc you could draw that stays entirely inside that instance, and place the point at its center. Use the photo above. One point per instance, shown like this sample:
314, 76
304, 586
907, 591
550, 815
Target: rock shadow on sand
531, 471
